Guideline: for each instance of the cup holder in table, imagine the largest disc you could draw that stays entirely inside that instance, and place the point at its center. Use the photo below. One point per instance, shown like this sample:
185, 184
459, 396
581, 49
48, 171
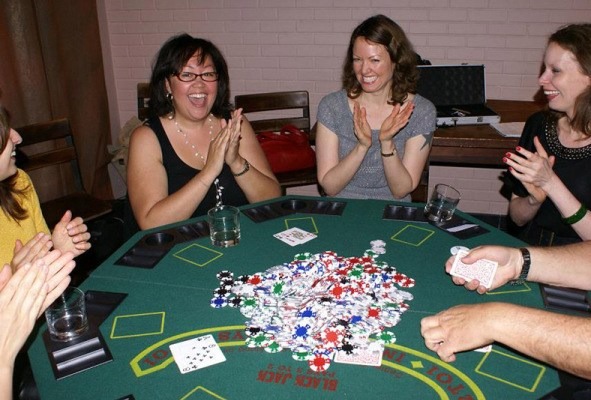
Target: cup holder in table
294, 205
194, 231
152, 247
286, 207
159, 239
404, 213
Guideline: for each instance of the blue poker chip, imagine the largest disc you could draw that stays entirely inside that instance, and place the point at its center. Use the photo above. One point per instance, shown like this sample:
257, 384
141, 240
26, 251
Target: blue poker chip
218, 302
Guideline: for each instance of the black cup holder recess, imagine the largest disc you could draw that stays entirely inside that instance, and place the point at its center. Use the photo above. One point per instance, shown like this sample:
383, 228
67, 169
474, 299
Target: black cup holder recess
284, 207
150, 249
294, 205
158, 239
90, 349
404, 213
416, 214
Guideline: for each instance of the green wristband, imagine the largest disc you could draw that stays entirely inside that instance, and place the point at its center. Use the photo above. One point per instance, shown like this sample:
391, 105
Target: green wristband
576, 217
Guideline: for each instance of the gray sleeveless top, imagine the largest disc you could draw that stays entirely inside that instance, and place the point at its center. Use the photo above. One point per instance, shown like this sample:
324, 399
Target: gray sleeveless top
369, 182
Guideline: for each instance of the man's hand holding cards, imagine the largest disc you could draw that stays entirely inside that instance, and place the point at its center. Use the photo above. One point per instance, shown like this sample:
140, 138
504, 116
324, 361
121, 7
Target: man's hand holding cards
482, 270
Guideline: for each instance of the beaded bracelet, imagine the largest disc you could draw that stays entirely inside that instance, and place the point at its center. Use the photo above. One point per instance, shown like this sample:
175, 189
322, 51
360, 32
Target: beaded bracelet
577, 216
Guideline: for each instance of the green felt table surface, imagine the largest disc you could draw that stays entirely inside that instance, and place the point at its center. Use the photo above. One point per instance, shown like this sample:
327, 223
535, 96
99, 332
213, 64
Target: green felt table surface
170, 303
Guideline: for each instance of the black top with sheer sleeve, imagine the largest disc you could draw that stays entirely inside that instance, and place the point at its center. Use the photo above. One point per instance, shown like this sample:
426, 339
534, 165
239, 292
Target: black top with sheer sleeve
572, 166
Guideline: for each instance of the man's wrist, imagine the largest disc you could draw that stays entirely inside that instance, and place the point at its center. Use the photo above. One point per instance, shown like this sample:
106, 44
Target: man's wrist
525, 265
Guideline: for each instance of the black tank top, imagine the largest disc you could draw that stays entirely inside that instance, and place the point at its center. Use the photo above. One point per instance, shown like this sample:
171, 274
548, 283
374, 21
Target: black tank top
179, 174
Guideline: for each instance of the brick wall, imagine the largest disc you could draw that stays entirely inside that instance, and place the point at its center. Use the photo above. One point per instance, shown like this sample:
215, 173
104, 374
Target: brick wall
300, 44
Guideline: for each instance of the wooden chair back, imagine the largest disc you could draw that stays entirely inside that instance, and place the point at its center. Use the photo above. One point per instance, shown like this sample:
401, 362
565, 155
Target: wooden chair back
143, 97
51, 160
252, 104
271, 112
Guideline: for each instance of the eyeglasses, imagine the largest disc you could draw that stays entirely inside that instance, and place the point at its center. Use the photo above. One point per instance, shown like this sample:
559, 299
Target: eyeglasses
190, 77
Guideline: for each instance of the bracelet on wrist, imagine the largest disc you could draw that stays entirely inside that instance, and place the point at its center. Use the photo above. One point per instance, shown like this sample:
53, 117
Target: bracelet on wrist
245, 170
525, 267
394, 152
577, 216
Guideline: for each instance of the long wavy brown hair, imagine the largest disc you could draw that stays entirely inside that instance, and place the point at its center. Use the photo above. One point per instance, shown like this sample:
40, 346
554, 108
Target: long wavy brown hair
576, 38
9, 193
382, 30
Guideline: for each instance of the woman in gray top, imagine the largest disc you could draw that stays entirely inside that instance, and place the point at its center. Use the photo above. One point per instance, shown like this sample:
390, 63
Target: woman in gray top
374, 136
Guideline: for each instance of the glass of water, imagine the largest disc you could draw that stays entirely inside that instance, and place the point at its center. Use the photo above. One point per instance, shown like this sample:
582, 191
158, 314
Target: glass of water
442, 203
224, 225
66, 316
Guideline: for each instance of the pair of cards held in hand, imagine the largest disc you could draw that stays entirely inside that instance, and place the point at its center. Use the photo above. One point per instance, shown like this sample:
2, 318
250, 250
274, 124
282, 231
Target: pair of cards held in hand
482, 270
294, 236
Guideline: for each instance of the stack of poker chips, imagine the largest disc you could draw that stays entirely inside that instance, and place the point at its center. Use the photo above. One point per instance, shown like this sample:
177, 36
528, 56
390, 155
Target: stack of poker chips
318, 304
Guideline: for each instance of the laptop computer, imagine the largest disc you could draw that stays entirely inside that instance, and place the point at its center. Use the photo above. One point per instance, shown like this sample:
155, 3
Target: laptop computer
458, 92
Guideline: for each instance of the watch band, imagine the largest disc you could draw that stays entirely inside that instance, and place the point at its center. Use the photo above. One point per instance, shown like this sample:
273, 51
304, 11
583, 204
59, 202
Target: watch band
525, 268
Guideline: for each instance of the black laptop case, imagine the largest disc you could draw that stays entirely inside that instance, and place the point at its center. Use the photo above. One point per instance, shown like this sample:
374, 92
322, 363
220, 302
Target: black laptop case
458, 92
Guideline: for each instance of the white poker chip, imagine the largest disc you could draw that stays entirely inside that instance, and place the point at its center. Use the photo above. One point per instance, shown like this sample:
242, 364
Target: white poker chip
454, 250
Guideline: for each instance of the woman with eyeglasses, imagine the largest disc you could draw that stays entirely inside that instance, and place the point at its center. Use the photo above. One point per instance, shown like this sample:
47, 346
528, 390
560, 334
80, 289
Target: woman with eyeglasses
193, 147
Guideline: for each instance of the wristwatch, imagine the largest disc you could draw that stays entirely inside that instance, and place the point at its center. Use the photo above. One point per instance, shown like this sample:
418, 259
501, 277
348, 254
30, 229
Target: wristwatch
525, 268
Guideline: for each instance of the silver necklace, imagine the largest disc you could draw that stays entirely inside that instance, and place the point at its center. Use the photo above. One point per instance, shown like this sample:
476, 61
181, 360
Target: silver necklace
197, 153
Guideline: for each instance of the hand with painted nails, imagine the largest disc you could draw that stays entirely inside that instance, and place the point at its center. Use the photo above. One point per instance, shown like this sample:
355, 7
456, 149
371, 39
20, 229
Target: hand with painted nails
533, 169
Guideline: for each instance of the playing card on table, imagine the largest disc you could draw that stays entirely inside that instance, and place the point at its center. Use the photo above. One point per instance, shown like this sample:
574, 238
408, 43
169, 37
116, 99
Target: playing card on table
482, 270
294, 236
371, 356
196, 353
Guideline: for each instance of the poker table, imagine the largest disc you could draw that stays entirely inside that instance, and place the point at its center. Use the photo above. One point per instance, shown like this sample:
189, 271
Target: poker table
157, 290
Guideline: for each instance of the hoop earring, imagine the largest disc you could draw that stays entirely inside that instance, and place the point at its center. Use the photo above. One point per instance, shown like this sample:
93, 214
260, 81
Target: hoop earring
169, 96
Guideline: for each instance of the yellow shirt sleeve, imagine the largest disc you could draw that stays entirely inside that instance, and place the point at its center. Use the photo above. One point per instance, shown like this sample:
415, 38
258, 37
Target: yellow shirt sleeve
26, 229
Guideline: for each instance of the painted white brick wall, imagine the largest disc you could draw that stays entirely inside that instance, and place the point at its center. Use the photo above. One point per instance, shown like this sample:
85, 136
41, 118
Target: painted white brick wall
300, 44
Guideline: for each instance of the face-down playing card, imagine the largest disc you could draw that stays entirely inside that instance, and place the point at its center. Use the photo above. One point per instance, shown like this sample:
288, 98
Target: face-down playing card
197, 353
482, 270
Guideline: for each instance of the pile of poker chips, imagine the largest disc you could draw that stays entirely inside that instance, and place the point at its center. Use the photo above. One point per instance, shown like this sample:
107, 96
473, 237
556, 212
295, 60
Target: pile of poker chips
318, 304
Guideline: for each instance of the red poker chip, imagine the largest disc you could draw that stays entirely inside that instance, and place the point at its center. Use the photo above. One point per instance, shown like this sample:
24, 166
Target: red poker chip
333, 336
319, 363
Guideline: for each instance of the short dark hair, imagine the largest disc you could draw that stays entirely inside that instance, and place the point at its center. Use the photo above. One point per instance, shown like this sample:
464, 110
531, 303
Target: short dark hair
576, 38
382, 30
170, 60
